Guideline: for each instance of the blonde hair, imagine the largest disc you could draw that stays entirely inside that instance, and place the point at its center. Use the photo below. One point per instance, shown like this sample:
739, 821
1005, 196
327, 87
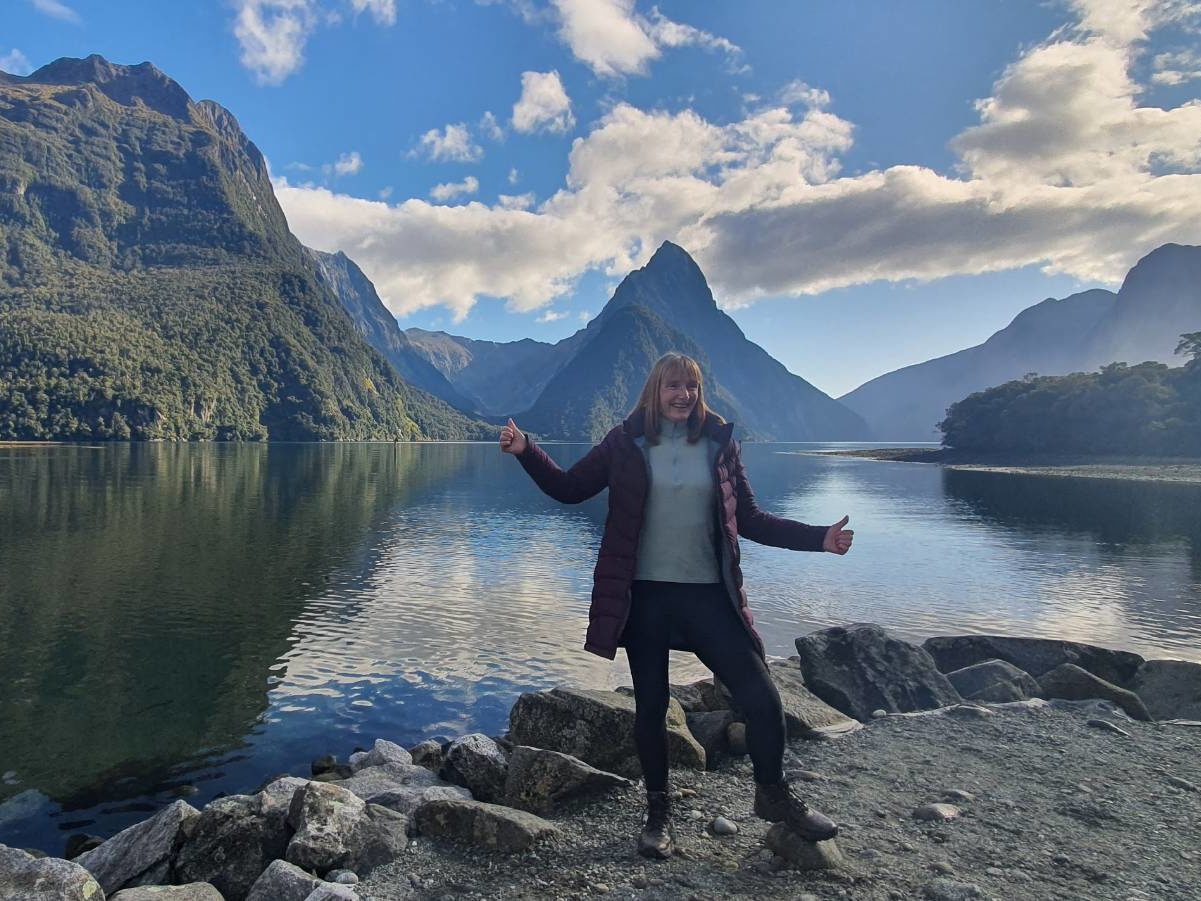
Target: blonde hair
668, 365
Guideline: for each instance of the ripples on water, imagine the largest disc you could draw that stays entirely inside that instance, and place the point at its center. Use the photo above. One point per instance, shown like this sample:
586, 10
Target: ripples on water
209, 616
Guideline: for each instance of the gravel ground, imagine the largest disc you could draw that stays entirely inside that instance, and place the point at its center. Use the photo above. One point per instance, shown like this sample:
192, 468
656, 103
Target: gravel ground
1059, 809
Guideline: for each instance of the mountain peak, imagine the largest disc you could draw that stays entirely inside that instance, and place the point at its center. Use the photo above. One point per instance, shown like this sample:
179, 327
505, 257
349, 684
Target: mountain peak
123, 84
669, 284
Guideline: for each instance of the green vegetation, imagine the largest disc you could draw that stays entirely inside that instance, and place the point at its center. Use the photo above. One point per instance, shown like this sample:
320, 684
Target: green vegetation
1148, 410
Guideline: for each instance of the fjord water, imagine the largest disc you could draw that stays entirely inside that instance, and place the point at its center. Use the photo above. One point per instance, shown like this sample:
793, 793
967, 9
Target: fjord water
186, 620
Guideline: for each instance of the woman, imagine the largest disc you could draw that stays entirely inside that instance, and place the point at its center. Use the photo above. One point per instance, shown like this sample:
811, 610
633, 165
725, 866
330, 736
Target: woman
668, 576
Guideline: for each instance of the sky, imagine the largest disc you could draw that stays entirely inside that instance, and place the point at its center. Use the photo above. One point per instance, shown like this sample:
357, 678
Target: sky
866, 185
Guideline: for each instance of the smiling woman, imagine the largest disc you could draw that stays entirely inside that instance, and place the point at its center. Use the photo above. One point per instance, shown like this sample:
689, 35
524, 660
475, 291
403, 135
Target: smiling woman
669, 577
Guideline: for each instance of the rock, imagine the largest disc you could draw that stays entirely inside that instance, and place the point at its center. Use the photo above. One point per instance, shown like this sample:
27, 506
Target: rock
489, 826
283, 881
1075, 683
383, 752
539, 779
1182, 783
477, 763
1107, 726
879, 713
428, 754
79, 843
140, 854
1035, 656
329, 891
231, 842
323, 764
958, 794
936, 813
401, 788
736, 739
995, 681
598, 728
801, 854
277, 795
24, 877
950, 890
702, 696
709, 729
859, 668
805, 714
722, 826
193, 891
1170, 689
337, 829
342, 877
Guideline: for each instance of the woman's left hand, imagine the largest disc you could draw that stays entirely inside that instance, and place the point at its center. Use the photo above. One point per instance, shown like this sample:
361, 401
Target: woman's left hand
838, 540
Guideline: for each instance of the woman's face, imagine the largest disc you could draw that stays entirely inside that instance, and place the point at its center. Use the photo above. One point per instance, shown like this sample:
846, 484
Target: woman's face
677, 396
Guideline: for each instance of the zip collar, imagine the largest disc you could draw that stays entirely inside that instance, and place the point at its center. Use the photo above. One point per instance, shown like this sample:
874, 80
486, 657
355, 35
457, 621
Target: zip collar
635, 428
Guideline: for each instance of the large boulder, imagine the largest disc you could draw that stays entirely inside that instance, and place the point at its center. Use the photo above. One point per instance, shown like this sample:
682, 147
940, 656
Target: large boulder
24, 877
382, 752
140, 854
861, 668
598, 728
539, 779
193, 891
231, 842
1073, 683
400, 787
1032, 655
709, 727
283, 881
477, 762
334, 828
805, 714
1171, 689
993, 681
489, 826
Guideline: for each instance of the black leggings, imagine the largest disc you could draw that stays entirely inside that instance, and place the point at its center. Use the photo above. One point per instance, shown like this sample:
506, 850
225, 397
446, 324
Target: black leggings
702, 617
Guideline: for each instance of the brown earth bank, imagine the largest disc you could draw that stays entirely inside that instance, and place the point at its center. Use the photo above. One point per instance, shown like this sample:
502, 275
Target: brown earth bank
1147, 469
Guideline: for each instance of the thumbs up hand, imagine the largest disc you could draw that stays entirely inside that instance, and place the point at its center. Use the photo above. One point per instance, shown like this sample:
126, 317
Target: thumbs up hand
512, 439
838, 539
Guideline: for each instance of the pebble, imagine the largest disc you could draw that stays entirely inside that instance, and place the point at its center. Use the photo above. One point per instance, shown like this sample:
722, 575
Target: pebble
600, 888
879, 713
1107, 726
696, 814
942, 868
958, 794
639, 882
949, 890
342, 877
994, 871
932, 813
722, 826
10, 777
688, 793
805, 775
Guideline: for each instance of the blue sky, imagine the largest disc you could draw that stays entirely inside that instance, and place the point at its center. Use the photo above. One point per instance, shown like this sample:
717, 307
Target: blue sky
866, 185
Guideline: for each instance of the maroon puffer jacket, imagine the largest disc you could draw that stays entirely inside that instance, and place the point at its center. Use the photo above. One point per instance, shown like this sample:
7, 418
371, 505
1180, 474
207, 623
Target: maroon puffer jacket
619, 464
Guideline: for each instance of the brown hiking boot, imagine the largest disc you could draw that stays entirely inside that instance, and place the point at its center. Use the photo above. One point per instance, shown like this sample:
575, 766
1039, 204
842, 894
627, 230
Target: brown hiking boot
777, 804
657, 840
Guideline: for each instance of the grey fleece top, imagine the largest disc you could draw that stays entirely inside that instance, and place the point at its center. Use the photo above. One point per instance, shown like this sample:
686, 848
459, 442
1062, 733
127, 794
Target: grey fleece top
677, 540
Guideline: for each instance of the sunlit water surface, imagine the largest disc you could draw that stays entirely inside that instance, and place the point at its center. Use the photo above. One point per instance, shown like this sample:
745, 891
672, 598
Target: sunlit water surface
190, 620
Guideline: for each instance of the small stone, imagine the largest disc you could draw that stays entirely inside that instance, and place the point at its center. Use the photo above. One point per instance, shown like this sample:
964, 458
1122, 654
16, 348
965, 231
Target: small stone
722, 826
600, 888
639, 882
879, 713
1182, 783
944, 869
994, 871
1107, 726
882, 814
870, 854
949, 890
688, 793
696, 814
936, 813
958, 794
342, 877
805, 775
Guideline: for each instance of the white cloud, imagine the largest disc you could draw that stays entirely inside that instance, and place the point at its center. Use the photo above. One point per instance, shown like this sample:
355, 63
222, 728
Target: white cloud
385, 192
348, 163
273, 34
516, 201
1064, 170
447, 191
452, 144
667, 33
551, 316
1177, 68
544, 104
15, 63
57, 10
513, 176
491, 128
798, 92
383, 11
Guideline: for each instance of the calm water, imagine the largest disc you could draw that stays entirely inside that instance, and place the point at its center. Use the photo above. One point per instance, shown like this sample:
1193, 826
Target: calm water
208, 616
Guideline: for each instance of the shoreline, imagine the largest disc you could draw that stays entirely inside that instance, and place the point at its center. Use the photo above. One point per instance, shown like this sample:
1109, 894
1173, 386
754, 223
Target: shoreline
1177, 470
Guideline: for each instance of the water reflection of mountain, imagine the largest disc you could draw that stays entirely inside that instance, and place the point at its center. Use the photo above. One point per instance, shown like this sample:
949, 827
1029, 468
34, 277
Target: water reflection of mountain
139, 580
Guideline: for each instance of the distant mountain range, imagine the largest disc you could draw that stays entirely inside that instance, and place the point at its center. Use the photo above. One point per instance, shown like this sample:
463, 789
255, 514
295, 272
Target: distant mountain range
1159, 301
150, 287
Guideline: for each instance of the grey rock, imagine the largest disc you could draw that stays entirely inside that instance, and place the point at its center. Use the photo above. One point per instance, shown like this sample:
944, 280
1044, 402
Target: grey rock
24, 877
936, 813
950, 890
140, 854
800, 854
342, 877
401, 788
709, 727
1035, 656
231, 842
1075, 683
722, 826
486, 825
337, 829
993, 681
476, 762
958, 794
193, 891
331, 891
382, 752
283, 881
323, 764
79, 843
277, 795
539, 779
427, 754
1107, 726
1170, 689
736, 739
1182, 783
860, 668
598, 728
805, 714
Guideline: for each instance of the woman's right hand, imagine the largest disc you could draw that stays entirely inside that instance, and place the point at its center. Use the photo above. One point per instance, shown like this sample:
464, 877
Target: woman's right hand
512, 439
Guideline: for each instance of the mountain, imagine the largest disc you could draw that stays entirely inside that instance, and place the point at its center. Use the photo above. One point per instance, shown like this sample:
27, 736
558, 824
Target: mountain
1159, 301
150, 287
378, 326
677, 310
